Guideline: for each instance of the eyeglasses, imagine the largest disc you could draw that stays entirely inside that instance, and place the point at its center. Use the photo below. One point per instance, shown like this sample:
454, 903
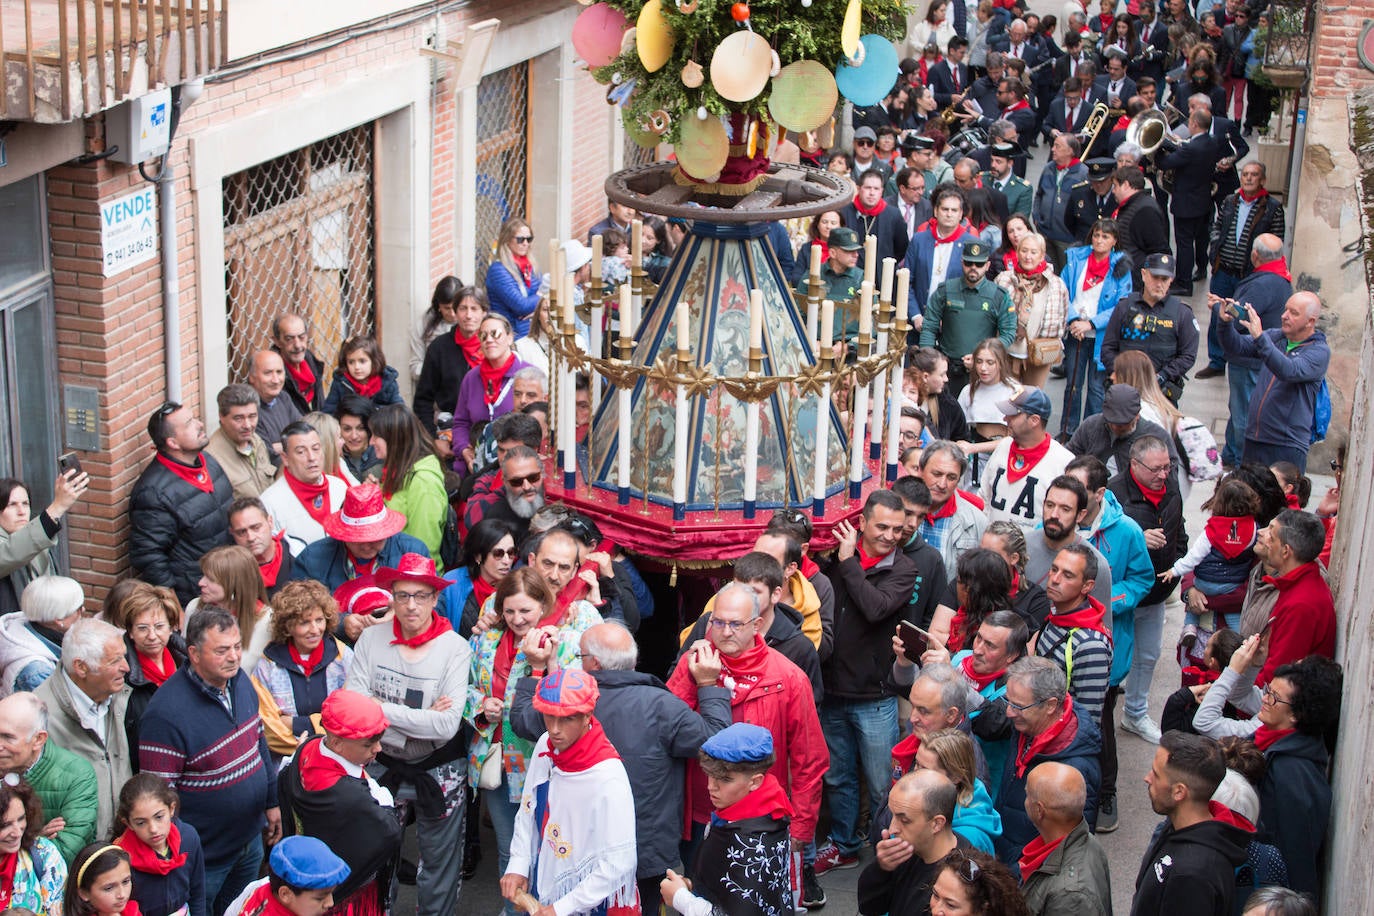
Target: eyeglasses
494, 334
502, 553
413, 597
1273, 697
1159, 471
528, 478
523, 239
1019, 708
731, 626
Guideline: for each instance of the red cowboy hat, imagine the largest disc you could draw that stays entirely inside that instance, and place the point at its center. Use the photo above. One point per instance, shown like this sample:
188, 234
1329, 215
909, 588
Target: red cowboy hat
362, 596
412, 568
364, 516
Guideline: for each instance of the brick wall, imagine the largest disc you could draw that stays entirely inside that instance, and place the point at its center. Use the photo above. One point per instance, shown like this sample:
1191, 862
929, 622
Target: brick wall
593, 145
1338, 70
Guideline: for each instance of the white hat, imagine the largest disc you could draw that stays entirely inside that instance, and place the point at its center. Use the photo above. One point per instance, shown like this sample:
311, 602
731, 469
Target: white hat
577, 254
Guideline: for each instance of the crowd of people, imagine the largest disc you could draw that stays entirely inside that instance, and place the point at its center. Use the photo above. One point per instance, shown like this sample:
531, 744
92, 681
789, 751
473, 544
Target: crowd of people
349, 614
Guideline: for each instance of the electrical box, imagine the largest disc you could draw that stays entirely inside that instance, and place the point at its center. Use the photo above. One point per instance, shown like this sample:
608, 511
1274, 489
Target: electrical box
141, 128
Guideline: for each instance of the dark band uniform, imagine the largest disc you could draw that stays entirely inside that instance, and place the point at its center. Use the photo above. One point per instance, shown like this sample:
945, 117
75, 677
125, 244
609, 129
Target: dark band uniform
1085, 207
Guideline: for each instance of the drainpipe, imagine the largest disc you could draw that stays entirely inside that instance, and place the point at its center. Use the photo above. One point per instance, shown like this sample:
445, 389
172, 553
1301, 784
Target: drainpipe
1290, 204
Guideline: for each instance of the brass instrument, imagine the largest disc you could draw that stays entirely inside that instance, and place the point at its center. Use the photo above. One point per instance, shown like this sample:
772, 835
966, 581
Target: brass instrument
1097, 119
1175, 116
1149, 130
949, 115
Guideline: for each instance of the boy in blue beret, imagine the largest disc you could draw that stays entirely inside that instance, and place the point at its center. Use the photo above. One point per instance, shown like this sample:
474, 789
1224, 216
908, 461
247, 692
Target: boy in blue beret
302, 873
743, 867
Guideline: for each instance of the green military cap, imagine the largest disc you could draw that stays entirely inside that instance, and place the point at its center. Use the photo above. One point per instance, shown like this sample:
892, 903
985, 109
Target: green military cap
845, 239
974, 252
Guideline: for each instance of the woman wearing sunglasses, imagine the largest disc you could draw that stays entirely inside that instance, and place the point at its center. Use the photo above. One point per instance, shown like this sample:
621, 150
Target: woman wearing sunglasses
491, 553
486, 392
973, 883
513, 283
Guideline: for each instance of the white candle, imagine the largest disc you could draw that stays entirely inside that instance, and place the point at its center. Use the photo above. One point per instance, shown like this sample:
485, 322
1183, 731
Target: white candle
815, 268
756, 319
879, 401
903, 300
569, 311
870, 258
856, 441
596, 257
622, 457
627, 331
894, 411
680, 433
569, 395
637, 243
811, 321
827, 327
865, 308
889, 265
684, 327
822, 446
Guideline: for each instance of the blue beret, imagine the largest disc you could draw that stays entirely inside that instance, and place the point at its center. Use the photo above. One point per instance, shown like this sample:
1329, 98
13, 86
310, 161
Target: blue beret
307, 864
740, 743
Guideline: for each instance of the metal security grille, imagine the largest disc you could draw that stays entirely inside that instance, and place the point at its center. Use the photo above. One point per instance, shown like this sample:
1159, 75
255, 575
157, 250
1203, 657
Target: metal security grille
502, 161
298, 236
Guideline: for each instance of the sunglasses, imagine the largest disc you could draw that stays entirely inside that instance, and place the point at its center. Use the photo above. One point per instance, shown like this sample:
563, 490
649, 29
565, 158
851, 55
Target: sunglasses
528, 478
863, 142
503, 553
494, 334
966, 869
523, 239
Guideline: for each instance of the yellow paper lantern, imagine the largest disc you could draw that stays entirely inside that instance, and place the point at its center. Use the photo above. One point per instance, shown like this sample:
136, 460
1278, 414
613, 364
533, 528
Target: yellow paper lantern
803, 95
702, 147
653, 37
740, 66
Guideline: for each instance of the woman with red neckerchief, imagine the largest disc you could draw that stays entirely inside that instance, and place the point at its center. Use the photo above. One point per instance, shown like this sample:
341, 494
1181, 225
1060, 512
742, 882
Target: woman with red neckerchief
150, 617
32, 871
1042, 302
485, 393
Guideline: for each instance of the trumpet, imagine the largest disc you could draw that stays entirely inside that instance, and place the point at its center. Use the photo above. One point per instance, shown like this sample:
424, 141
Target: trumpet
949, 115
1097, 119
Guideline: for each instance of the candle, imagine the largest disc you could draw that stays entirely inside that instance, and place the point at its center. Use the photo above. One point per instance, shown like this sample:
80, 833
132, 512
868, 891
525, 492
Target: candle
879, 403
569, 312
623, 421
570, 423
822, 450
894, 410
856, 439
626, 330
870, 258
903, 299
811, 306
815, 269
756, 319
827, 327
684, 327
889, 265
865, 308
554, 249
596, 259
637, 242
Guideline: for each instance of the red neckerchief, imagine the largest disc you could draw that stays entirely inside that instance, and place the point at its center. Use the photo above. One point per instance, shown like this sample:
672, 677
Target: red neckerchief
1266, 736
8, 866
1106, 20
904, 756
158, 676
1034, 855
1088, 616
1015, 582
1095, 272
482, 590
526, 268
1276, 266
262, 902
1200, 675
1251, 198
1009, 260
1292, 501
981, 681
768, 800
506, 650
313, 496
131, 908
363, 567
471, 346
877, 208
1023, 104
1072, 162
934, 229
491, 378
1231, 535
955, 640
369, 388
808, 567
144, 858
272, 568
865, 561
197, 475
1031, 271
304, 378
307, 663
438, 626
946, 510
1121, 123
1154, 496
1027, 749
586, 752
1021, 461
744, 670
319, 771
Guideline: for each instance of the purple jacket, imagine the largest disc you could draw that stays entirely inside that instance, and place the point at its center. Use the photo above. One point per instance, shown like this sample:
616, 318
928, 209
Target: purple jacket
471, 407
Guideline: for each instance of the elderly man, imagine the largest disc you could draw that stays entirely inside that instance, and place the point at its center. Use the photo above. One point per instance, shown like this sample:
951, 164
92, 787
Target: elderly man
1109, 435
86, 704
868, 214
303, 368
1293, 361
276, 409
250, 525
483, 486
176, 510
1064, 869
65, 783
1304, 615
1019, 471
1061, 175
954, 523
327, 793
766, 690
1050, 726
654, 731
236, 445
1154, 322
201, 733
910, 852
864, 160
940, 698
305, 495
31, 638
361, 538
417, 668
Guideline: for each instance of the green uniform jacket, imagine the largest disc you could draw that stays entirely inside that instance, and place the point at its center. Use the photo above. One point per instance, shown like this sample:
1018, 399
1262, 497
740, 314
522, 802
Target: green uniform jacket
958, 318
839, 288
1020, 195
67, 787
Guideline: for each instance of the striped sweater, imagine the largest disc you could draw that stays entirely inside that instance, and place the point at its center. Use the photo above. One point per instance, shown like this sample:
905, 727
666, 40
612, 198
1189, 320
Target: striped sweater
1086, 657
218, 763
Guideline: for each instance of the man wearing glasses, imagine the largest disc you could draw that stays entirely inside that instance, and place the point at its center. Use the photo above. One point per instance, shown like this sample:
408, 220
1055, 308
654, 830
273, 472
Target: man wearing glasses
417, 668
1148, 492
865, 143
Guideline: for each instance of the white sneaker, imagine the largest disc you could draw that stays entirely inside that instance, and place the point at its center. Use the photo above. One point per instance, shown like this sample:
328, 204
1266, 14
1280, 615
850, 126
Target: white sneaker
1144, 727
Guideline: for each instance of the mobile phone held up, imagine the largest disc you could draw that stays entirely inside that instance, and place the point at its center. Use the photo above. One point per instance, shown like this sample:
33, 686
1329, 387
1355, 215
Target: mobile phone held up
68, 462
915, 640
1234, 307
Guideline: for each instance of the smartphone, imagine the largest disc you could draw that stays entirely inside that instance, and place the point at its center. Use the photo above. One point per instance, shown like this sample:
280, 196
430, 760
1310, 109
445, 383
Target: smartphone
1267, 624
915, 640
68, 462
1234, 308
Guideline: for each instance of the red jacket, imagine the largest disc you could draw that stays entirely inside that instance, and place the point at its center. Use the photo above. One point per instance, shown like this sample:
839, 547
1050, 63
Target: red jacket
1305, 619
781, 702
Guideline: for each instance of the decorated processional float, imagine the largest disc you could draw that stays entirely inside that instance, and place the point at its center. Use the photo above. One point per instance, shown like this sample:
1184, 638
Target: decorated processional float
712, 392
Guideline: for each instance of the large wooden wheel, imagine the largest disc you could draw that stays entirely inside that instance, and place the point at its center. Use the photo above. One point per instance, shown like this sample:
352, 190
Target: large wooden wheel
788, 192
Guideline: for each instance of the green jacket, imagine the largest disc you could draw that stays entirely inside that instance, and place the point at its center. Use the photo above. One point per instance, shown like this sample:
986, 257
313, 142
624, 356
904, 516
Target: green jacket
840, 288
108, 754
67, 787
1020, 195
958, 318
1074, 879
423, 500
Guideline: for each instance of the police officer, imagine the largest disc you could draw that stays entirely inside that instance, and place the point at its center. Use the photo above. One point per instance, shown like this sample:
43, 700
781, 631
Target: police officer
1157, 324
962, 313
1092, 199
840, 278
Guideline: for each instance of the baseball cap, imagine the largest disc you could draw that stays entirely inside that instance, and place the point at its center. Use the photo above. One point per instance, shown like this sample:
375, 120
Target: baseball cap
1027, 400
1161, 265
1121, 405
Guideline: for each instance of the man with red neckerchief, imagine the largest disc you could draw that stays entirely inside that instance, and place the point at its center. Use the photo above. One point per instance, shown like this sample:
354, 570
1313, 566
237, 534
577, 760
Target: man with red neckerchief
304, 496
1077, 636
176, 511
953, 524
868, 214
1064, 869
304, 370
936, 252
250, 525
417, 668
573, 850
1019, 471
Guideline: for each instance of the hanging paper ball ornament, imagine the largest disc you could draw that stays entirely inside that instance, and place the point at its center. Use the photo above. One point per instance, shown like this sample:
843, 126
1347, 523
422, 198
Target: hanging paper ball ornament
692, 75
740, 12
653, 37
849, 30
740, 66
702, 148
597, 33
869, 81
802, 95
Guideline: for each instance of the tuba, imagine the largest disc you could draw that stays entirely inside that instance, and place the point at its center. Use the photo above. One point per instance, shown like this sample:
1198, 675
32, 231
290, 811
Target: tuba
1149, 130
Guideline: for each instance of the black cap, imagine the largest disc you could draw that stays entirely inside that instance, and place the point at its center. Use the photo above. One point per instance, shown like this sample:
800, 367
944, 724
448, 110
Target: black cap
1100, 167
914, 142
1161, 265
974, 252
1005, 150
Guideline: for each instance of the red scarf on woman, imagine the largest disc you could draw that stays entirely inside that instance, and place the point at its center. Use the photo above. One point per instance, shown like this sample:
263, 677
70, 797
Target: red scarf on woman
1031, 271
526, 268
158, 676
304, 378
438, 626
1028, 748
877, 208
981, 681
313, 496
144, 858
491, 379
1034, 855
586, 752
955, 641
369, 388
1266, 736
471, 347
934, 229
744, 670
1292, 500
1095, 271
8, 866
307, 663
1021, 461
197, 475
482, 590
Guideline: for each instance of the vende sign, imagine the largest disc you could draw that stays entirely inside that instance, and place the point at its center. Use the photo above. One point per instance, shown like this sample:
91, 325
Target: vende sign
128, 230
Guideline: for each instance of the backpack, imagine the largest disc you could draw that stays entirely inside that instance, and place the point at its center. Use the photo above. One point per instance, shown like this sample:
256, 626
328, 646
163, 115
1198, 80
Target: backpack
1321, 413
1198, 449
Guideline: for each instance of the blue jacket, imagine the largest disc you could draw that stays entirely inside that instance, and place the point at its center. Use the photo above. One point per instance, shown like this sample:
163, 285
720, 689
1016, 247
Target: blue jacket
1118, 538
339, 389
782, 247
1284, 402
326, 560
1116, 287
1052, 199
978, 821
510, 297
163, 895
920, 255
1267, 293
